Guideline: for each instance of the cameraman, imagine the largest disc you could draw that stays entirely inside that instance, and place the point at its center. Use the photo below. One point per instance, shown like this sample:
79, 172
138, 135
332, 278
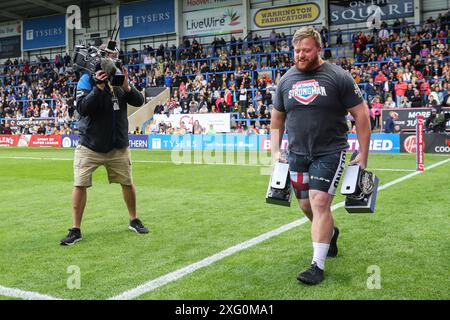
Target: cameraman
437, 121
103, 127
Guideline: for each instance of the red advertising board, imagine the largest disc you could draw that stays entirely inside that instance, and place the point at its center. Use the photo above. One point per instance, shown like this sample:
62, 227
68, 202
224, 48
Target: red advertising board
9, 140
45, 141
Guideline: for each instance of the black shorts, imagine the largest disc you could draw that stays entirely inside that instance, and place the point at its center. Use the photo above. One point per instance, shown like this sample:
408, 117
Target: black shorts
317, 173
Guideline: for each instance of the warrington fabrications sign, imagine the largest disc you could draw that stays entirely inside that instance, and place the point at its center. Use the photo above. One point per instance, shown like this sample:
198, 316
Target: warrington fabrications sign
286, 15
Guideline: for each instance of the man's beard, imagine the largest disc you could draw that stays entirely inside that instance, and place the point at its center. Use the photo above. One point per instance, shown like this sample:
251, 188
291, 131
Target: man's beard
308, 65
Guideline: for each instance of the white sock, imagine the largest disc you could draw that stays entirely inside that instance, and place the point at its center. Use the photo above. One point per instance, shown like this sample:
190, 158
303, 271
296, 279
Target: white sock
320, 254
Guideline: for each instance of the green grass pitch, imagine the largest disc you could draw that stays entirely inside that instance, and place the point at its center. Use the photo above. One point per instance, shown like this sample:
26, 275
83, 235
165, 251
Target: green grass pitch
197, 210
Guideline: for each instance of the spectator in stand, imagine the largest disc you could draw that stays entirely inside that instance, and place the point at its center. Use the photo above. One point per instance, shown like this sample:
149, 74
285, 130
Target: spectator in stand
405, 103
377, 107
416, 99
6, 129
159, 109
220, 105
432, 103
400, 89
228, 97
203, 109
251, 112
370, 90
261, 108
383, 34
243, 97
202, 103
389, 103
424, 91
193, 106
409, 93
338, 37
425, 51
273, 38
137, 130
380, 77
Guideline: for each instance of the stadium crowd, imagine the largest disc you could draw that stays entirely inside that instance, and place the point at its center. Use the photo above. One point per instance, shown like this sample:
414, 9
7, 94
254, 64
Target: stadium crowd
397, 66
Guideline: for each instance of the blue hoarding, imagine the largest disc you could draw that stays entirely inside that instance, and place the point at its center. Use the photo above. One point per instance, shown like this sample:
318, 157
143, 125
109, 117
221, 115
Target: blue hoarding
146, 18
44, 32
138, 141
379, 142
204, 142
69, 141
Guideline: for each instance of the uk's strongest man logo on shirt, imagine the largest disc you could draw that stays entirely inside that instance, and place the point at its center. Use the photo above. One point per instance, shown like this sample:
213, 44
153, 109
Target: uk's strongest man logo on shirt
306, 91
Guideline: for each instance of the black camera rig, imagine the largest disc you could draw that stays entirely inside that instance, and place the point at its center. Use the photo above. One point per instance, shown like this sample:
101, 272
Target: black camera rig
92, 59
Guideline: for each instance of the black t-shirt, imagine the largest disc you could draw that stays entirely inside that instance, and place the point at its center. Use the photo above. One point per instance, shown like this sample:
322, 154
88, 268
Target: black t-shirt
316, 104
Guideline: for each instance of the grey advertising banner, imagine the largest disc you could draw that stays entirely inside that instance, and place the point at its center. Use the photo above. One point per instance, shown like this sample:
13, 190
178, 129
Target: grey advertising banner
347, 12
407, 117
10, 47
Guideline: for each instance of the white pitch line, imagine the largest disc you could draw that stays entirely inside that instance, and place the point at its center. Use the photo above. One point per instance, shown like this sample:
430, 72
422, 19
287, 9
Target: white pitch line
386, 169
26, 295
178, 274
161, 161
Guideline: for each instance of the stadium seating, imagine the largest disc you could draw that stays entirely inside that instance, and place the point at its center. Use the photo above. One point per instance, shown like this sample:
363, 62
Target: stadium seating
239, 76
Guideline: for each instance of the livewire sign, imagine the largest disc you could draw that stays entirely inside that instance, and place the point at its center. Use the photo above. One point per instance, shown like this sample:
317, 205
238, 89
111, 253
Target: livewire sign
45, 32
147, 18
347, 12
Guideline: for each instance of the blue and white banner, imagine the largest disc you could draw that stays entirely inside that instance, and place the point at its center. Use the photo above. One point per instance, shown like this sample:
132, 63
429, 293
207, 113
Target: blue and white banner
138, 141
350, 11
220, 142
70, 141
45, 32
379, 142
147, 18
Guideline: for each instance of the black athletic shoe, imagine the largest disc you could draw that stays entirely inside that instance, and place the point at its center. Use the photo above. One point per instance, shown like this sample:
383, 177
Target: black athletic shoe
73, 237
314, 275
137, 226
333, 250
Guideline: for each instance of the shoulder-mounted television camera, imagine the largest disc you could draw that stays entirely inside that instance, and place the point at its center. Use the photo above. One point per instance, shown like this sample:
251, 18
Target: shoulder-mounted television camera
92, 59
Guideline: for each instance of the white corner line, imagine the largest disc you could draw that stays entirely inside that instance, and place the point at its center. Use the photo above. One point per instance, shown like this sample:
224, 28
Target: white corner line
180, 273
25, 295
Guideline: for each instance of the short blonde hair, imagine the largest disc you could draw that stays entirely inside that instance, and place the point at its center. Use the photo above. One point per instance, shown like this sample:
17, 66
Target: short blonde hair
307, 32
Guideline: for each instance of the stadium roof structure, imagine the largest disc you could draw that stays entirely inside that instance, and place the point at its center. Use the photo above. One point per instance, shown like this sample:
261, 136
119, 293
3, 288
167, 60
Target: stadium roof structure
26, 9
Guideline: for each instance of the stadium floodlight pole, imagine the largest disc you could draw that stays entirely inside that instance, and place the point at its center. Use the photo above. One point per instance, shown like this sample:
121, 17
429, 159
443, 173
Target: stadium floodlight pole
420, 143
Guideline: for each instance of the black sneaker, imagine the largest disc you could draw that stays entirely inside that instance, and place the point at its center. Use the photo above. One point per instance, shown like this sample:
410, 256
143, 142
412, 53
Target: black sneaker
314, 275
73, 237
333, 250
137, 226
